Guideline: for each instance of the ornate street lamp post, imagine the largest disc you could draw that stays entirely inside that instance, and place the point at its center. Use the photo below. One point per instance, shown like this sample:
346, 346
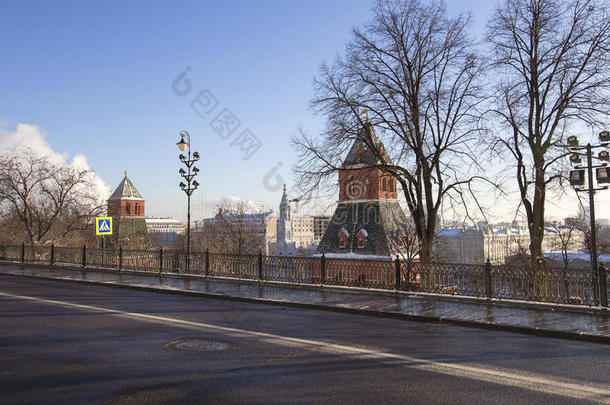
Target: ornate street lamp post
190, 186
577, 179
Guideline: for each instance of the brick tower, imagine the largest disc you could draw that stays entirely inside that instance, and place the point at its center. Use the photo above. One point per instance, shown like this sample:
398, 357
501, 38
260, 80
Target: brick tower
126, 207
368, 219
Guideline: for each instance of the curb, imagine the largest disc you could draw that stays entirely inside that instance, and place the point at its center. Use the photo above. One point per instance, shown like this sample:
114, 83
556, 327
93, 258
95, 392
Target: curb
581, 336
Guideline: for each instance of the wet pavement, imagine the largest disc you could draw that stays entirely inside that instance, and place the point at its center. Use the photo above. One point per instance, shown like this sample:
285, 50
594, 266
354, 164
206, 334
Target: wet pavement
549, 321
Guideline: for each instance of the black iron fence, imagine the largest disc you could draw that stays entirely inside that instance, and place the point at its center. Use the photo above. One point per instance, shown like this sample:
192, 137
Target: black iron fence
546, 284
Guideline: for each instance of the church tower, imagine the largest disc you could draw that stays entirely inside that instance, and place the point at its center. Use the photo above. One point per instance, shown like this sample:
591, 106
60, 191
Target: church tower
126, 207
284, 223
368, 219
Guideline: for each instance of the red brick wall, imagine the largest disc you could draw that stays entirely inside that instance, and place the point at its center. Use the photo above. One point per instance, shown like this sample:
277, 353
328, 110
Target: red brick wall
354, 271
128, 208
366, 184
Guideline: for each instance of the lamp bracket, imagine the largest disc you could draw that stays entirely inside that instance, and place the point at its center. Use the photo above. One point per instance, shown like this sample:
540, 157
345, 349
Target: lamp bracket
577, 148
587, 190
592, 166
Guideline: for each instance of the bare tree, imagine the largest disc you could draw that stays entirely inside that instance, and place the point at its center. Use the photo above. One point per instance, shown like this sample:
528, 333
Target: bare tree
551, 60
413, 68
587, 242
406, 241
236, 229
604, 239
47, 201
11, 230
583, 223
568, 238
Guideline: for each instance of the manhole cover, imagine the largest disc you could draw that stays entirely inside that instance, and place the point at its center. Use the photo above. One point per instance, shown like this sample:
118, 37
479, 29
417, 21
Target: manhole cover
196, 345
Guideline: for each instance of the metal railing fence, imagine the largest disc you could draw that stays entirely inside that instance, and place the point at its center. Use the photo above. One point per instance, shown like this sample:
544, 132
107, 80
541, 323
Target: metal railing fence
552, 284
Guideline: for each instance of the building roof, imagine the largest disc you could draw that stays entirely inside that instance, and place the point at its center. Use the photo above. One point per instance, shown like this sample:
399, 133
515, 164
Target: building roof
366, 149
491, 230
155, 220
381, 220
247, 217
584, 256
126, 191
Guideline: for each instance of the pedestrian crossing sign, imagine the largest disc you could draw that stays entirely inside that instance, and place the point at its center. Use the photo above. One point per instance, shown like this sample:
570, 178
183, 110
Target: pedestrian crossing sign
103, 225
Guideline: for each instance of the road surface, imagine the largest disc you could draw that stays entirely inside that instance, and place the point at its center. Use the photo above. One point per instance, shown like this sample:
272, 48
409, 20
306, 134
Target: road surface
76, 343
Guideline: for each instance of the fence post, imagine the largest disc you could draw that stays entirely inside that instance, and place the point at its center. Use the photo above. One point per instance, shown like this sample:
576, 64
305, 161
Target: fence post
603, 287
207, 262
84, 255
397, 273
23, 252
488, 278
323, 268
52, 254
161, 260
260, 265
120, 257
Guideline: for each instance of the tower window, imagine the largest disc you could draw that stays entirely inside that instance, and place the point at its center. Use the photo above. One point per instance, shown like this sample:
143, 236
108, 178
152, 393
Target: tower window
342, 238
361, 238
400, 240
360, 150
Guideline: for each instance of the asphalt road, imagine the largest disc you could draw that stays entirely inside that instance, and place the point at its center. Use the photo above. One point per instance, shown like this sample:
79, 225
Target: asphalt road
74, 343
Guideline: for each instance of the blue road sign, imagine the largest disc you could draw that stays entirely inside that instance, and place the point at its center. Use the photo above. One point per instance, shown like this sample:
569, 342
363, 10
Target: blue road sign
103, 225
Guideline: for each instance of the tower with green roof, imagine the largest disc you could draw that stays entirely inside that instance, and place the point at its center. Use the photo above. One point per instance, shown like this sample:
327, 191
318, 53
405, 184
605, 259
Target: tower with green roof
126, 207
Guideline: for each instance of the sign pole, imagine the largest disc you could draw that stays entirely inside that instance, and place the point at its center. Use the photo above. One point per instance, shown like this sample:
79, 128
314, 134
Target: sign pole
103, 227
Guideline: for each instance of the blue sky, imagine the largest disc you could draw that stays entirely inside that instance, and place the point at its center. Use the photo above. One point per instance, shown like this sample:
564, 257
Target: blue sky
96, 76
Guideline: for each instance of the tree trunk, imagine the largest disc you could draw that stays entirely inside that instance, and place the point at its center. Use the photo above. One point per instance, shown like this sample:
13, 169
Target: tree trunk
536, 226
425, 253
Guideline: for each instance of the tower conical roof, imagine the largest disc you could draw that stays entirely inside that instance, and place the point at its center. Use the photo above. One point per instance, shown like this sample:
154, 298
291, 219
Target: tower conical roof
367, 149
126, 191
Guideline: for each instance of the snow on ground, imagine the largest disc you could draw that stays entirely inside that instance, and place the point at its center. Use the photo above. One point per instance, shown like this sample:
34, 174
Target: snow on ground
350, 255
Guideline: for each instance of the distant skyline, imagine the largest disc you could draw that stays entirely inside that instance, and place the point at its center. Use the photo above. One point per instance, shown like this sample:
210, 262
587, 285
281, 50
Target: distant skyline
94, 81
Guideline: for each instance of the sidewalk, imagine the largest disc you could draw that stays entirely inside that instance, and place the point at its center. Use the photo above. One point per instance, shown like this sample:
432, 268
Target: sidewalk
548, 321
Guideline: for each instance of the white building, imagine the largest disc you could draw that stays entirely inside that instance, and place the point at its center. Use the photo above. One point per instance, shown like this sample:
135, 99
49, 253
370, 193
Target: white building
476, 245
254, 231
320, 224
165, 231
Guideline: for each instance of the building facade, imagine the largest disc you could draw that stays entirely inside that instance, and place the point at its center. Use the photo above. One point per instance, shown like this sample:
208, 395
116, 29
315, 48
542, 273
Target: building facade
246, 233
320, 224
498, 244
166, 232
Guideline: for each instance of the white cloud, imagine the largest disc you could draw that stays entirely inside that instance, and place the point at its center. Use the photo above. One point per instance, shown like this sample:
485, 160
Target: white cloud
34, 138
